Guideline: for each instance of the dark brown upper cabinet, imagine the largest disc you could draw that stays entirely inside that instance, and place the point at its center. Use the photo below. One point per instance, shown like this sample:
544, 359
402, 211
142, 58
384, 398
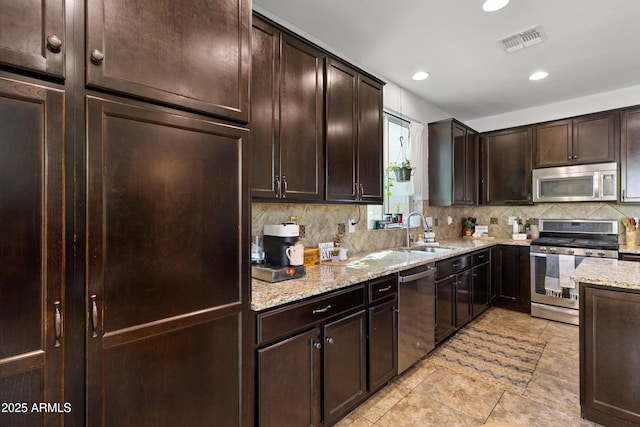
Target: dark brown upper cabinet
36, 40
32, 247
287, 116
581, 140
194, 56
453, 164
630, 156
354, 135
506, 166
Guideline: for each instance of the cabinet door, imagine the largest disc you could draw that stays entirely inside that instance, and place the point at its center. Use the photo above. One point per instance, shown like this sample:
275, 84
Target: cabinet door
31, 251
610, 366
481, 288
383, 344
289, 382
630, 156
146, 47
514, 290
553, 144
459, 146
507, 166
594, 138
369, 154
301, 120
164, 280
471, 168
445, 307
32, 35
345, 361
342, 92
265, 111
464, 302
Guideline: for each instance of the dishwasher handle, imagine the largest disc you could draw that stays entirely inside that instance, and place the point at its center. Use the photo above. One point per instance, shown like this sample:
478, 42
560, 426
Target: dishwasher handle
417, 276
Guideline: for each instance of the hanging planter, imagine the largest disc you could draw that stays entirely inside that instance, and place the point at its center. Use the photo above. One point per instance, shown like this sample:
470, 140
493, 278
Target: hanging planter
403, 174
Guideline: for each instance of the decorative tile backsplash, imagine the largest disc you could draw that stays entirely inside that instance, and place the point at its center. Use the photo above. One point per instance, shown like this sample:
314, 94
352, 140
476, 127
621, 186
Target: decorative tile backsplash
322, 222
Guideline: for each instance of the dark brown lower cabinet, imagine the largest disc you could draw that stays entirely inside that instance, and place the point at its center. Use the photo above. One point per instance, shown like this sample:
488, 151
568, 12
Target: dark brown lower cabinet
283, 396
164, 283
609, 349
383, 344
511, 278
345, 366
481, 286
464, 301
314, 359
445, 308
32, 246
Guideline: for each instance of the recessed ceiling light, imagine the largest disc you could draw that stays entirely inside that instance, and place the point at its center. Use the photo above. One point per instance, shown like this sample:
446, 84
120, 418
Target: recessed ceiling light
538, 75
493, 5
420, 75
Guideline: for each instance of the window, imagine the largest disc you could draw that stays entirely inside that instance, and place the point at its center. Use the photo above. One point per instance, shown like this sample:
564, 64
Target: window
397, 150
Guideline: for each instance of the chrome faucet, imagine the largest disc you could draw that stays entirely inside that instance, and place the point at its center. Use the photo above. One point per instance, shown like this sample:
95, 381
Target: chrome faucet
424, 225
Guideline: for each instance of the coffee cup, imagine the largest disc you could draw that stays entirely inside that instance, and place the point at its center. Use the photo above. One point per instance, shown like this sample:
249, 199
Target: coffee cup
295, 254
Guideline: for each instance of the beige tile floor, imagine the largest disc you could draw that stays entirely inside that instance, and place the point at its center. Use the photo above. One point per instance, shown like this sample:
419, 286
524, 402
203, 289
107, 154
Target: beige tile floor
429, 395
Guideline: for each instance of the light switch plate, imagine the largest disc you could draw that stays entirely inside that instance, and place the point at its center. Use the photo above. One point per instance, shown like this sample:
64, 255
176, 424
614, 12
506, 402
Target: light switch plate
352, 225
512, 219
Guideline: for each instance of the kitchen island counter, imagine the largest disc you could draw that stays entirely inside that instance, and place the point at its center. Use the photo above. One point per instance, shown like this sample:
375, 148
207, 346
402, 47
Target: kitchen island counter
608, 272
328, 277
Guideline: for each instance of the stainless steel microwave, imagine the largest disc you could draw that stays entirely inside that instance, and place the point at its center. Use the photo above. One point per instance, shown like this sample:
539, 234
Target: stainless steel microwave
584, 183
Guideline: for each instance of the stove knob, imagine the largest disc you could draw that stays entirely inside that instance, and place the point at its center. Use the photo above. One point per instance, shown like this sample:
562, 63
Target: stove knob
543, 249
588, 252
553, 250
570, 251
601, 253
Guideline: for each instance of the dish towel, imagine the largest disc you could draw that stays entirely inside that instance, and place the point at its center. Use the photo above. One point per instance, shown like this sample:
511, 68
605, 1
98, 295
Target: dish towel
551, 278
566, 268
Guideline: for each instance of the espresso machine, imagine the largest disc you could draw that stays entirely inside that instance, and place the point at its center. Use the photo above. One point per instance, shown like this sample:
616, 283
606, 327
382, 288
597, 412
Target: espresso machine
277, 238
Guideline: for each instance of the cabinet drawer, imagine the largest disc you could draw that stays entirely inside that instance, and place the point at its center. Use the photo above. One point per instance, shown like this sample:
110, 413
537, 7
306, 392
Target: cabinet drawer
287, 320
382, 288
480, 257
453, 265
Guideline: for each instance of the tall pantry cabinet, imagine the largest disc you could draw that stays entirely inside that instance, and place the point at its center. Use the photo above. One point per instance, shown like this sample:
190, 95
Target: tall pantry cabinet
124, 190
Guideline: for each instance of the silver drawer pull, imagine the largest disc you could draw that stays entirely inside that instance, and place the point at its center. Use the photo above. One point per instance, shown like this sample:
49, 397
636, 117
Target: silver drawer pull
388, 288
455, 265
322, 310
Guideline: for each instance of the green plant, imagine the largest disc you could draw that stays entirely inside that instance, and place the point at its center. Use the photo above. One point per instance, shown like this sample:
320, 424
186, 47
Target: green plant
468, 224
390, 173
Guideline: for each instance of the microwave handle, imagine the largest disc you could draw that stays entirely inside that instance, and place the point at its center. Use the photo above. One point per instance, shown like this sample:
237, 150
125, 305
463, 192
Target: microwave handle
597, 185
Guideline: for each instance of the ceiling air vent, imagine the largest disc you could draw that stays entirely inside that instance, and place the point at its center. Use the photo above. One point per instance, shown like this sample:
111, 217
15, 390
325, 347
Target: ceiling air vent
522, 39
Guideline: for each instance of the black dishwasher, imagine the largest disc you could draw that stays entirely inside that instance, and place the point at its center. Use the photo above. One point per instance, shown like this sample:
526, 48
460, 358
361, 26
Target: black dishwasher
416, 314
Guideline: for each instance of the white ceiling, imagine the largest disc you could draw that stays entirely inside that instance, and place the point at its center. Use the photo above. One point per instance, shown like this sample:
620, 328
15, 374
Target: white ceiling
591, 46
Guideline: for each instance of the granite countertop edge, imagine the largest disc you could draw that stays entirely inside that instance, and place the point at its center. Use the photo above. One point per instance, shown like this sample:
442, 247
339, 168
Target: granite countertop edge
624, 249
608, 272
325, 277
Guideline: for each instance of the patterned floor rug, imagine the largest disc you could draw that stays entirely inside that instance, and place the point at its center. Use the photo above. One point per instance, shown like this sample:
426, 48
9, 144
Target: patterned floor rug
493, 355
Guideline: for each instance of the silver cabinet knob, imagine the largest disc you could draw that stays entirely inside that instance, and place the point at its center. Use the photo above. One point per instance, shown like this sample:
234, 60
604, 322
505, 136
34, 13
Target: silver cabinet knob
97, 56
330, 340
54, 43
317, 345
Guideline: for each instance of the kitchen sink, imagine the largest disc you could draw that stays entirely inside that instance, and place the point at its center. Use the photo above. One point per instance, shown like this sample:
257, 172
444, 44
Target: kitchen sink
428, 249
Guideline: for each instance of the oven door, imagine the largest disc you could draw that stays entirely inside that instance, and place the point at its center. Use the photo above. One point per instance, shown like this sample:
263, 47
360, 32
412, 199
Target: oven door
550, 279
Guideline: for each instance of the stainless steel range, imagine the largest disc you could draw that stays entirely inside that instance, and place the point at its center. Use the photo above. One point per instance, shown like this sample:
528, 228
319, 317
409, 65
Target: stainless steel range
562, 246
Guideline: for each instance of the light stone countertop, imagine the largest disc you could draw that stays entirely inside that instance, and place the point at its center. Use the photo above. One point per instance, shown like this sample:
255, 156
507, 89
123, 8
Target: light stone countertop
629, 249
608, 272
359, 268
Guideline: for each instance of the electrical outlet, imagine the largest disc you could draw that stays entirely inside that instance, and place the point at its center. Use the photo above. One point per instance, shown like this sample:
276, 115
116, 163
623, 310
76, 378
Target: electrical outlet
341, 228
512, 219
352, 225
429, 220
449, 220
303, 232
